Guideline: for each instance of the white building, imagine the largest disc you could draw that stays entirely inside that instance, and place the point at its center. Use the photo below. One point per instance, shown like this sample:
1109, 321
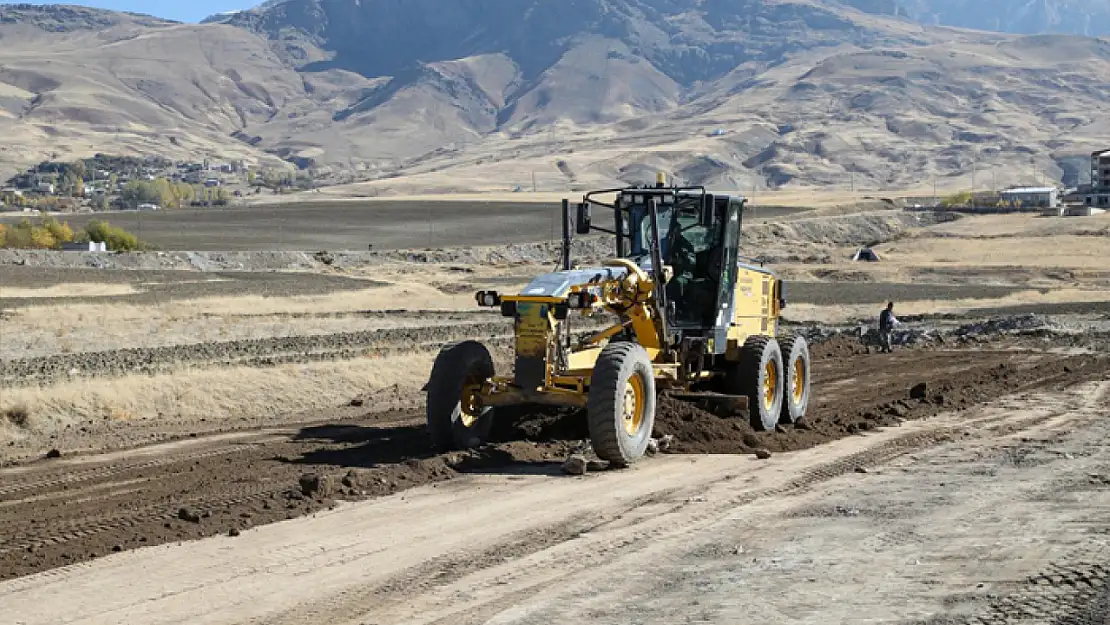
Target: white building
1032, 197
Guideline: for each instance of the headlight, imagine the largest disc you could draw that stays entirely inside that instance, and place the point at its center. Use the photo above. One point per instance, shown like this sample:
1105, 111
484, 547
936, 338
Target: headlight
488, 298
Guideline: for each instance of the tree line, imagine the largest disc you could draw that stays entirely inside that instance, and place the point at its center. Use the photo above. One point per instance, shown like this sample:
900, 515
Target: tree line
50, 234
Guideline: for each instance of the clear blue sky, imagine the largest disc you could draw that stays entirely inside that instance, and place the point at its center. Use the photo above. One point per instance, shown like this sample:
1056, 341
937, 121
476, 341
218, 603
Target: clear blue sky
181, 10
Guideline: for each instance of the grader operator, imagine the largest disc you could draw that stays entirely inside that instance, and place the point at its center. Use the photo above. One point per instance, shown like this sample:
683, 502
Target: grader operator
692, 319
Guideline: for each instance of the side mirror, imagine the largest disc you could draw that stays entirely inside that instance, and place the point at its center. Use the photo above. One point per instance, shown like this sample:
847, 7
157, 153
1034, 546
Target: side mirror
705, 217
582, 223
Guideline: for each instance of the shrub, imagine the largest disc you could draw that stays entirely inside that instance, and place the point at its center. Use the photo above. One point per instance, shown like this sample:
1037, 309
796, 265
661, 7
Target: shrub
50, 234
18, 416
962, 198
117, 239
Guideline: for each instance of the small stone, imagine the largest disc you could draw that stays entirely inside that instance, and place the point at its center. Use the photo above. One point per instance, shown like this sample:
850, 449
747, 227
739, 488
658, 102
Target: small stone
652, 447
576, 464
313, 484
117, 549
53, 453
666, 442
762, 453
233, 532
861, 469
357, 402
597, 465
185, 514
919, 391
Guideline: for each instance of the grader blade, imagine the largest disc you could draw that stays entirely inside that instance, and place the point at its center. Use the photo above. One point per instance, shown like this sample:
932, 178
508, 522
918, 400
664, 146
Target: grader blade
719, 404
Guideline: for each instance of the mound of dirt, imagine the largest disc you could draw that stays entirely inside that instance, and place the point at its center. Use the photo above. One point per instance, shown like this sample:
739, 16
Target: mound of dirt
697, 431
837, 347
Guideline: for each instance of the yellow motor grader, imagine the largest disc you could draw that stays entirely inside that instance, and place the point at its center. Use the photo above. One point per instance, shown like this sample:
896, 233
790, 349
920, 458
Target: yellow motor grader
692, 318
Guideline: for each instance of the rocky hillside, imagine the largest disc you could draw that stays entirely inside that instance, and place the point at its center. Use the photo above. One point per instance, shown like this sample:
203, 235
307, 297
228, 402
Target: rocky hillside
491, 94
1081, 17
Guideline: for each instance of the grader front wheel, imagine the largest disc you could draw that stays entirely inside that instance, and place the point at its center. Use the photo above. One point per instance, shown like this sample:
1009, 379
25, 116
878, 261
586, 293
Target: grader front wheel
455, 418
621, 403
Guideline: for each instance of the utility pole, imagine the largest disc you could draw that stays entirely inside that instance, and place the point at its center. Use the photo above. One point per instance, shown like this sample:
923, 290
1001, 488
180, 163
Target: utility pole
533, 181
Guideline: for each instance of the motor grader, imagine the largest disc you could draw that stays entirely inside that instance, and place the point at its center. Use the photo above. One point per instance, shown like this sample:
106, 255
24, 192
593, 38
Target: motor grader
691, 318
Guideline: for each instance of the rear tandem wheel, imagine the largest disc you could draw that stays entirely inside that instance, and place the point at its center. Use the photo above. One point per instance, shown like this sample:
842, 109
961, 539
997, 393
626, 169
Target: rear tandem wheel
795, 353
759, 376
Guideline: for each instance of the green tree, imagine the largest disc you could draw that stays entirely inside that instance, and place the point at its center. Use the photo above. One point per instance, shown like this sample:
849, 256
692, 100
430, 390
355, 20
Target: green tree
78, 169
116, 239
963, 198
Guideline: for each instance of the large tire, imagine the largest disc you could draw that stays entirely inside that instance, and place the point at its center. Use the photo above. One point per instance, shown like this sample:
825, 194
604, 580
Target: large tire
454, 422
760, 360
621, 403
795, 392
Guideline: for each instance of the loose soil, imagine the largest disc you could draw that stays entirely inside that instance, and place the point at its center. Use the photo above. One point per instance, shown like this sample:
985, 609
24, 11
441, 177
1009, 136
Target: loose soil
70, 509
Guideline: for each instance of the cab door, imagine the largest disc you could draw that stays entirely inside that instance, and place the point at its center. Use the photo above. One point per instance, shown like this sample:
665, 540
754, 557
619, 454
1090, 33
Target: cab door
731, 215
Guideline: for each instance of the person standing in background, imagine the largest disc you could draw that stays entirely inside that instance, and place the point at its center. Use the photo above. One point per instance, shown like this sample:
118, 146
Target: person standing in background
887, 321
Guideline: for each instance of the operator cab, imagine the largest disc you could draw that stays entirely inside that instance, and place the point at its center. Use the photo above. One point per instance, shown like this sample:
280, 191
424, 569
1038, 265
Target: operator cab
698, 236
693, 242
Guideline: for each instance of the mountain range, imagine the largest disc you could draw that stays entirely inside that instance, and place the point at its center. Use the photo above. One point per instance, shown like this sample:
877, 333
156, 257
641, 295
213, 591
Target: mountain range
391, 96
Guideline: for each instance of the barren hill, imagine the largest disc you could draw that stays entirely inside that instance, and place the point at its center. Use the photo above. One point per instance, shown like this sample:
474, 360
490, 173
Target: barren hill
491, 94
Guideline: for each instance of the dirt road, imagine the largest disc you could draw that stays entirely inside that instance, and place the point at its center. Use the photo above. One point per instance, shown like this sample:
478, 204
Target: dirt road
999, 514
89, 512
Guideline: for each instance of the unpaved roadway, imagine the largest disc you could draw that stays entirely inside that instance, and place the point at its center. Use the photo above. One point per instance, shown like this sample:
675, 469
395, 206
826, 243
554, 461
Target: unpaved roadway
986, 497
999, 514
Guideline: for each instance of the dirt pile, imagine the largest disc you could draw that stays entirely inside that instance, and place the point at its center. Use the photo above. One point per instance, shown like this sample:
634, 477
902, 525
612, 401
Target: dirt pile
697, 431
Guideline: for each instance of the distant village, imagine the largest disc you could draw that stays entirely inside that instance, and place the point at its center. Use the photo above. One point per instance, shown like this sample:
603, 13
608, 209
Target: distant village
105, 182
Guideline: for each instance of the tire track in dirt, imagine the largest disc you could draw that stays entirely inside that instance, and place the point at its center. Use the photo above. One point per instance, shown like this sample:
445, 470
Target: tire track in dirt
389, 453
986, 428
641, 528
1073, 589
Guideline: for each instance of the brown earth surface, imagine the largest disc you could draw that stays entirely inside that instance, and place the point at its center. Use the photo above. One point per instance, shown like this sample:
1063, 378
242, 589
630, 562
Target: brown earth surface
68, 509
385, 225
